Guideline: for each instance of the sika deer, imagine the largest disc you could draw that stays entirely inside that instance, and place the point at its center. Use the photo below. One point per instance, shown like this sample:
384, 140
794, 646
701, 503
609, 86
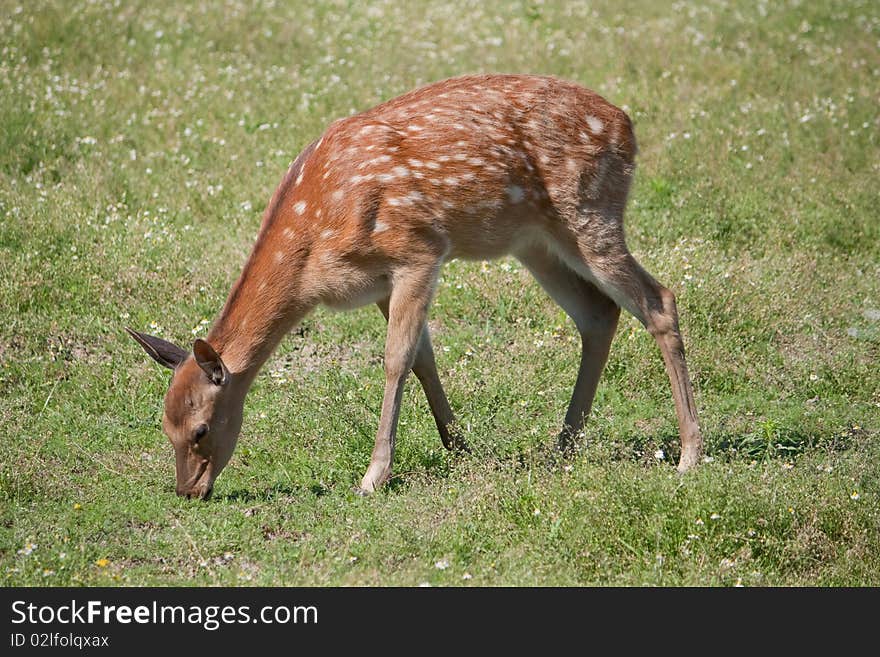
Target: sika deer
473, 167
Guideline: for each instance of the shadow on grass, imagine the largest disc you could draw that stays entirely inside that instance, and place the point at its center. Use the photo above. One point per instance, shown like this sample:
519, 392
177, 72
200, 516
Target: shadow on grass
769, 442
258, 494
433, 465
779, 443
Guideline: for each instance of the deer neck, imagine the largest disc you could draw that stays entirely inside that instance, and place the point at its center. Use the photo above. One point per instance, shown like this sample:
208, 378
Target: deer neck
265, 303
269, 298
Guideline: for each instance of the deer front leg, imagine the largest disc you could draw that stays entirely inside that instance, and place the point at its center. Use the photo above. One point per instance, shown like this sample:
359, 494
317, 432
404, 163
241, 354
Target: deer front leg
425, 369
407, 312
595, 316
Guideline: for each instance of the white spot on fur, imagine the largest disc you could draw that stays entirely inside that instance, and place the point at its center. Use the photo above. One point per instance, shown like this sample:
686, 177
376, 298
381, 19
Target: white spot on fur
415, 128
376, 160
380, 227
300, 207
299, 178
515, 193
279, 256
432, 165
327, 234
595, 123
401, 172
415, 164
288, 232
409, 199
476, 161
336, 195
451, 180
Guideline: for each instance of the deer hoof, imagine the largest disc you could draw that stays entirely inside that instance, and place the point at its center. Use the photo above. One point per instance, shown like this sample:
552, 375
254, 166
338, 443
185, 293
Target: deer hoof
689, 458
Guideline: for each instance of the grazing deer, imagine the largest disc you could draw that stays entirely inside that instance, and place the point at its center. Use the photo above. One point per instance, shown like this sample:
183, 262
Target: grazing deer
473, 167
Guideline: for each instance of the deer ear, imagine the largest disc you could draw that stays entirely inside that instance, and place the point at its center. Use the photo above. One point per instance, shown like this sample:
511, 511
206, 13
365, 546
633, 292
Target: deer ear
209, 361
163, 352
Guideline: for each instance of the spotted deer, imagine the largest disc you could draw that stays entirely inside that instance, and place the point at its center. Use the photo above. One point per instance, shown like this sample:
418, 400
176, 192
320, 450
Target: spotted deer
474, 167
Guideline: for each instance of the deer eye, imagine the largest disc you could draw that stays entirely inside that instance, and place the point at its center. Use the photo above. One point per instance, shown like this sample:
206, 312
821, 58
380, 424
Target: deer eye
200, 432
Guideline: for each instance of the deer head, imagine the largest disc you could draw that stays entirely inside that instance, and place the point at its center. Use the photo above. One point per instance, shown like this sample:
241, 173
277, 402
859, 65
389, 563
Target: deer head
203, 411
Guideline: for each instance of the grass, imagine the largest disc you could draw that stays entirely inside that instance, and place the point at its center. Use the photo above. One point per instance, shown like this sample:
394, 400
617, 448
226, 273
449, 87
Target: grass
138, 147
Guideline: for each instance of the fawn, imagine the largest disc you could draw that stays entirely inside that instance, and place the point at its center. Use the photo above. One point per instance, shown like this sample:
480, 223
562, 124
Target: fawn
474, 167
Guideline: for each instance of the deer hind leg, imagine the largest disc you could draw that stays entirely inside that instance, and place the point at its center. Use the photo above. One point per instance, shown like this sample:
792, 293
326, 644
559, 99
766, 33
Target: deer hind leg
425, 369
595, 316
593, 244
604, 259
412, 289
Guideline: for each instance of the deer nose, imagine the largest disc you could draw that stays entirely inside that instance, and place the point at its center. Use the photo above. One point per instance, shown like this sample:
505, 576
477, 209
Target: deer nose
199, 492
187, 492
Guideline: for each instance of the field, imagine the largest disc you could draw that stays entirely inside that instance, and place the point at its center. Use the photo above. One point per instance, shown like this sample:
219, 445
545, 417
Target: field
139, 145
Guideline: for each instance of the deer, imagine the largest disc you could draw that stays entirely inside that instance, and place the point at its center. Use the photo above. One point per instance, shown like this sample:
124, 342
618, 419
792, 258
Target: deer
475, 167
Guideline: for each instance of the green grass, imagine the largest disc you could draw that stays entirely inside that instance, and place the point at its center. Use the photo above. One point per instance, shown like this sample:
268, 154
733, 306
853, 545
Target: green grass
138, 147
